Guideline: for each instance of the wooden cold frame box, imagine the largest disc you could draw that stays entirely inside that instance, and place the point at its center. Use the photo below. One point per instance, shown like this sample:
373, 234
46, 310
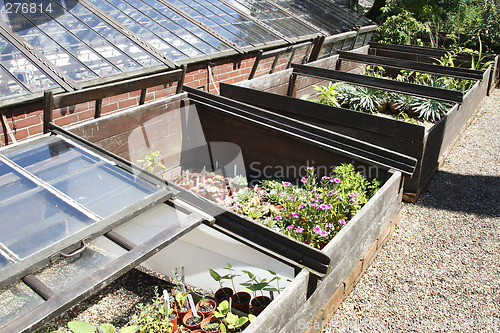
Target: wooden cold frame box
263, 142
280, 92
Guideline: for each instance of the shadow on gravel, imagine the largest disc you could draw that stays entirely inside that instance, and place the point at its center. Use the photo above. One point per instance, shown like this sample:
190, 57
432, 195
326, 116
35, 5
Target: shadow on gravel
463, 193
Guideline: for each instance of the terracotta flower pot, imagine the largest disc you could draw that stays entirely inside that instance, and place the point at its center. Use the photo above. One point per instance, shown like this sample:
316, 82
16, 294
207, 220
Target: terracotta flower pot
241, 301
203, 305
223, 294
187, 318
174, 321
259, 303
207, 321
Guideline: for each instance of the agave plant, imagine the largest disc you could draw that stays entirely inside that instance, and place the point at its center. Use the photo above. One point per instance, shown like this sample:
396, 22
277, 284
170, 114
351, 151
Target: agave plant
430, 109
366, 99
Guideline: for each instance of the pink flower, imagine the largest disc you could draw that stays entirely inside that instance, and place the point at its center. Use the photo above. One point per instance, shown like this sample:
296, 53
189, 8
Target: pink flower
322, 207
342, 222
326, 177
304, 180
282, 194
352, 195
299, 230
329, 225
314, 205
291, 198
290, 227
352, 199
318, 195
317, 230
302, 206
323, 233
335, 180
330, 193
310, 168
279, 218
286, 184
295, 215
329, 206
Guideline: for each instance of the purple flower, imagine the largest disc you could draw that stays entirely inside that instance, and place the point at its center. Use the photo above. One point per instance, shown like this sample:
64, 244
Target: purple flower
335, 180
304, 180
286, 184
295, 215
317, 230
290, 227
299, 230
279, 218
323, 233
342, 222
330, 193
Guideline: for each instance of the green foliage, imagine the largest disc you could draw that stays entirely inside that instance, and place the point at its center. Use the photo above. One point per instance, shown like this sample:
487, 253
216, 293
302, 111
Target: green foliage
430, 109
401, 28
151, 162
364, 99
244, 195
328, 95
153, 317
77, 326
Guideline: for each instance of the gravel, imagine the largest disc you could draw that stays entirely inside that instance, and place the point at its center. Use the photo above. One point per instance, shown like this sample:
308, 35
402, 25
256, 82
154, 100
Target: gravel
439, 270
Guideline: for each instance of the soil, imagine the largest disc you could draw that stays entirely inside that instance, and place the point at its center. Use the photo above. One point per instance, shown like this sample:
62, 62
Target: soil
212, 327
193, 321
206, 307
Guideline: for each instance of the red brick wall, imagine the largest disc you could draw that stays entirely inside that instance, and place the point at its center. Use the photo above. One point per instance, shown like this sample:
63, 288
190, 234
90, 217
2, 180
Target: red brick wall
27, 123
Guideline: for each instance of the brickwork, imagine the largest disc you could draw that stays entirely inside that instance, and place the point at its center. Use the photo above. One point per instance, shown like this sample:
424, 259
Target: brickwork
26, 123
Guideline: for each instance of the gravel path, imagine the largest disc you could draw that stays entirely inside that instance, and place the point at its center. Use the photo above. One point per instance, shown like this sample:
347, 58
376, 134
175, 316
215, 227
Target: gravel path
440, 270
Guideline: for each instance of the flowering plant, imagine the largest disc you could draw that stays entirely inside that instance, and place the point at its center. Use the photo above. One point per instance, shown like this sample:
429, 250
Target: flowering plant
317, 210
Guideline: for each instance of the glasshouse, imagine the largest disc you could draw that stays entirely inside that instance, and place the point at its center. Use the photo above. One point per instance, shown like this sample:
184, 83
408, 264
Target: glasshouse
264, 150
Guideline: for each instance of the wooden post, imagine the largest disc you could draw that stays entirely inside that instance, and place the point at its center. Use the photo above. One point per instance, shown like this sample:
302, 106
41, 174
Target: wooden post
142, 99
98, 107
8, 131
48, 106
180, 83
291, 85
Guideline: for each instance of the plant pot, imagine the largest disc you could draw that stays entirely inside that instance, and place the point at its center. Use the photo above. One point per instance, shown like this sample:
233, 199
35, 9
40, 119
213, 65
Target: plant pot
181, 313
187, 320
382, 107
183, 330
187, 185
207, 321
174, 321
223, 294
204, 305
241, 301
259, 303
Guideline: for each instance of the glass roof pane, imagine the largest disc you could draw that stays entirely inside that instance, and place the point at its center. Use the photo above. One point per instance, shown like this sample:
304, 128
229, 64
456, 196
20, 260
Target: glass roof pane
22, 68
54, 52
311, 11
108, 40
178, 25
274, 17
3, 262
9, 87
48, 219
225, 21
16, 300
100, 187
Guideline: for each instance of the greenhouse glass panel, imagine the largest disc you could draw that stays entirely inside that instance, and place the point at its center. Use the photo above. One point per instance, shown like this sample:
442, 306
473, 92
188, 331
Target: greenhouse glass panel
9, 87
314, 12
48, 219
108, 38
99, 186
60, 57
152, 14
22, 68
225, 21
274, 17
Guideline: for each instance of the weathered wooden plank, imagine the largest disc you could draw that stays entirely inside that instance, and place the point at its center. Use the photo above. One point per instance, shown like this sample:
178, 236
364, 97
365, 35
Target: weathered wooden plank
308, 110
112, 89
386, 84
464, 73
89, 286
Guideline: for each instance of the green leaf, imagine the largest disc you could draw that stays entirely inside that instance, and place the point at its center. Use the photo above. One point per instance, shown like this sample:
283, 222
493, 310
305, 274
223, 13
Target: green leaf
130, 329
107, 328
216, 276
81, 327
